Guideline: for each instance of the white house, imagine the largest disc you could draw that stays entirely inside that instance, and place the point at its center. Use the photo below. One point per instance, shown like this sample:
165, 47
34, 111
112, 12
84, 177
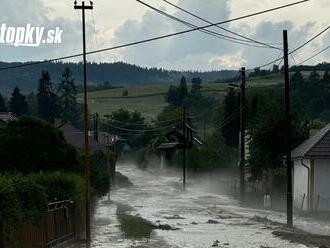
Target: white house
311, 182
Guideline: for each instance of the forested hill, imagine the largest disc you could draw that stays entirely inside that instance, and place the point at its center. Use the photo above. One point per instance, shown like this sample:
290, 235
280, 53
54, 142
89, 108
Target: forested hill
118, 74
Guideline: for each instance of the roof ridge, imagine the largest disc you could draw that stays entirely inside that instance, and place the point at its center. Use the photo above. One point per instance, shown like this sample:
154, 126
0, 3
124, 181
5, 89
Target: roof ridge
327, 128
313, 143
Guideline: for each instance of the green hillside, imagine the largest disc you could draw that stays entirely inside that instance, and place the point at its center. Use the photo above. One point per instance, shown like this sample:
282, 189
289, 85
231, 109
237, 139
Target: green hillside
150, 99
117, 74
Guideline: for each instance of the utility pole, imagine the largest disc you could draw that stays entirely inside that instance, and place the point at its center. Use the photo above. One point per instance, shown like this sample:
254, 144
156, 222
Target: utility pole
108, 146
184, 146
288, 131
83, 7
204, 129
242, 135
96, 126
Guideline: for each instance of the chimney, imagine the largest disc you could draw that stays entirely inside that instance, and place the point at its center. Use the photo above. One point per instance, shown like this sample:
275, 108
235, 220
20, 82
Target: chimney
58, 122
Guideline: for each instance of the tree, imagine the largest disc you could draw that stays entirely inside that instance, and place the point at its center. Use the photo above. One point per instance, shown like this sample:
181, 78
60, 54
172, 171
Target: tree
314, 75
67, 100
276, 69
17, 103
172, 96
46, 99
267, 138
3, 107
196, 86
177, 95
183, 89
326, 76
32, 104
297, 79
32, 145
230, 123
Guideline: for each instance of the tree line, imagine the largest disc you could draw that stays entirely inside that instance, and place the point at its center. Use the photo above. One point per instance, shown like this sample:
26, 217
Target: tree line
118, 74
48, 103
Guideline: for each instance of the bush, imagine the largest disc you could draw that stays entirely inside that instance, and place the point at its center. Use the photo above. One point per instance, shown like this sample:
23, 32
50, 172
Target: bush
25, 198
22, 199
99, 173
30, 145
61, 186
9, 204
31, 197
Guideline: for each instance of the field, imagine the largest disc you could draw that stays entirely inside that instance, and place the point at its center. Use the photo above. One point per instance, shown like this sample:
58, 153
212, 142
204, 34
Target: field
150, 99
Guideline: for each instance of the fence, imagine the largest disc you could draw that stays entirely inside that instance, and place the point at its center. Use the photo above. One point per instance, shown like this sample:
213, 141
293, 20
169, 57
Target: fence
318, 203
56, 226
60, 222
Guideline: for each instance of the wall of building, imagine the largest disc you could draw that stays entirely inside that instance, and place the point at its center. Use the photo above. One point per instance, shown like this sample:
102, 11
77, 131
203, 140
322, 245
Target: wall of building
300, 184
322, 185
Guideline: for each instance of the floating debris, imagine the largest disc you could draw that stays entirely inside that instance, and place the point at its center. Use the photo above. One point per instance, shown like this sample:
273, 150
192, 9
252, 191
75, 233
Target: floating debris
216, 243
174, 217
213, 222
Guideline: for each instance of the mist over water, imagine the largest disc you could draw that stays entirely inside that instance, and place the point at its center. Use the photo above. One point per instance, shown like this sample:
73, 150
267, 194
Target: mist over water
199, 216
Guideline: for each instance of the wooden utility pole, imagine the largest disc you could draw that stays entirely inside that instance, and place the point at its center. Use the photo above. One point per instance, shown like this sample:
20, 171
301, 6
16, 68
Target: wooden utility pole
288, 131
83, 7
108, 146
96, 127
184, 146
242, 134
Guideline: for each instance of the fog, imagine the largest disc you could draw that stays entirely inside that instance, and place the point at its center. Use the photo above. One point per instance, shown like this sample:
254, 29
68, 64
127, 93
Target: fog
156, 212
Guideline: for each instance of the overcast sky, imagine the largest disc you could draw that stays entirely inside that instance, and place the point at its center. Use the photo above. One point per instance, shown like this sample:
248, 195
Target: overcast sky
114, 22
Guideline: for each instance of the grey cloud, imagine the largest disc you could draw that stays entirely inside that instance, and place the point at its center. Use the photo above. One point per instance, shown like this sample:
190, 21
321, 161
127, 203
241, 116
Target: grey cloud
185, 48
18, 13
273, 33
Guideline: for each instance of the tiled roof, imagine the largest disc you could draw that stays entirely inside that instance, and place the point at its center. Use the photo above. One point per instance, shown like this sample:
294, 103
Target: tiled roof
317, 146
7, 117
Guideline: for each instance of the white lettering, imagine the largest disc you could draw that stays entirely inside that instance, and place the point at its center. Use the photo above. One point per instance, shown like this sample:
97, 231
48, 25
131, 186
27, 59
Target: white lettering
2, 33
10, 36
29, 36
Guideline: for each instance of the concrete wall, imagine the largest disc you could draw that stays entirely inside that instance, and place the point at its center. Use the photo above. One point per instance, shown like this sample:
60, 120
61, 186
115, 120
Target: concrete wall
300, 184
322, 185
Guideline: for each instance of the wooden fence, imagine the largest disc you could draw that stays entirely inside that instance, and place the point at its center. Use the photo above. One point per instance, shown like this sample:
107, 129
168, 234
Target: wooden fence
56, 227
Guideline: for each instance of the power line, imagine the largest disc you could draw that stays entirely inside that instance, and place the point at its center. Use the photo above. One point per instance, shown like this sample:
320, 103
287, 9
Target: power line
315, 55
140, 124
155, 38
141, 130
310, 40
206, 31
246, 39
298, 48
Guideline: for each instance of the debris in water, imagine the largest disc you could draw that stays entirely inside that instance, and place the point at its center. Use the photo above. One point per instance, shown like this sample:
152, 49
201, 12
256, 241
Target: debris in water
174, 217
213, 222
216, 243
226, 243
167, 227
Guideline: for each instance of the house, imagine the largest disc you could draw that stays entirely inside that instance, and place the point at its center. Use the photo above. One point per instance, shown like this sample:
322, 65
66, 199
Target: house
311, 164
97, 141
6, 117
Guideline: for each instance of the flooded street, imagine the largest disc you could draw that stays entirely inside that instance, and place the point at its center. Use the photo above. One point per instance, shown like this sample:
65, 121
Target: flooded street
200, 219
